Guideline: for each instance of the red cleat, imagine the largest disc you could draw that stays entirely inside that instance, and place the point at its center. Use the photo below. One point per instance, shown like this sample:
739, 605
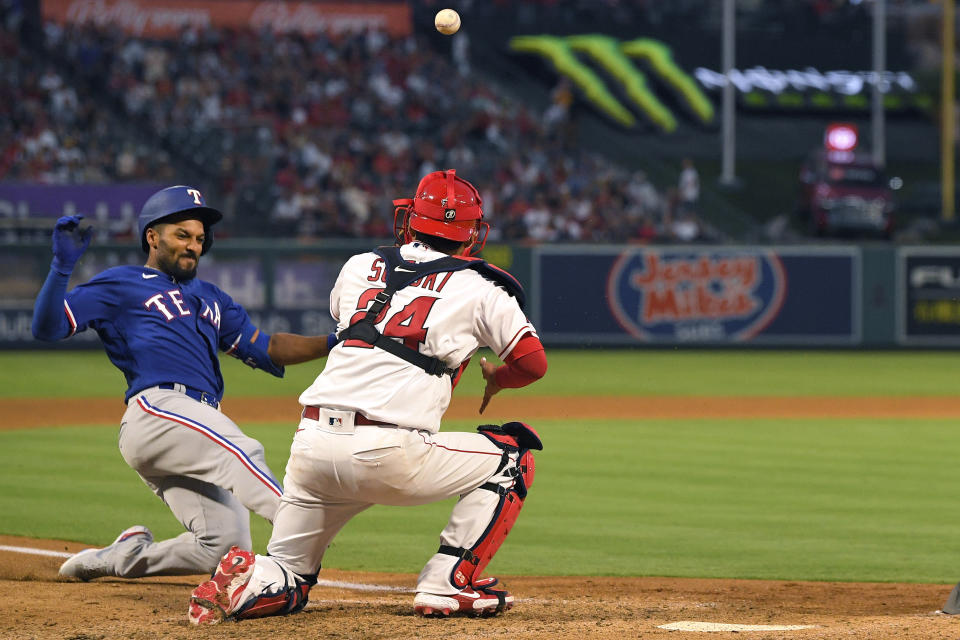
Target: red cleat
478, 601
216, 599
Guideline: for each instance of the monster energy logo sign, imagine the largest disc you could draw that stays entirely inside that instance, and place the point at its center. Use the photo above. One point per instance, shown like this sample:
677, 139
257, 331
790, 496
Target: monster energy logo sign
581, 57
614, 57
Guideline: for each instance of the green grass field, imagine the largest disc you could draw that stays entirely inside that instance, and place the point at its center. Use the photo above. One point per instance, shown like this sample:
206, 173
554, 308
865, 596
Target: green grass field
845, 499
586, 372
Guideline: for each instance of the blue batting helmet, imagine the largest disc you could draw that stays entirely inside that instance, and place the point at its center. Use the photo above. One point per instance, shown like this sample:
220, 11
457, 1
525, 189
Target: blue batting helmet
178, 199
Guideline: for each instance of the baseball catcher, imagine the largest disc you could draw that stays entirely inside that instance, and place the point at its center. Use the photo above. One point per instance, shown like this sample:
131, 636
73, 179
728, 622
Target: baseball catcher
410, 318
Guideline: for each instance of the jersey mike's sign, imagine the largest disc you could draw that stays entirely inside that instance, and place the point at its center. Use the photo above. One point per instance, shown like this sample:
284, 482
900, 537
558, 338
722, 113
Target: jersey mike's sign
695, 295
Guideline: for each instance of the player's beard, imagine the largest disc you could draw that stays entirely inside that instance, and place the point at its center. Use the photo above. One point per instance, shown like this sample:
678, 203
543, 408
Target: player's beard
170, 264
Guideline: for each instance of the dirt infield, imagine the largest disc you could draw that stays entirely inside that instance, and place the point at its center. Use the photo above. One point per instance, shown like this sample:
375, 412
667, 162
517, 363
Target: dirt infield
19, 413
39, 605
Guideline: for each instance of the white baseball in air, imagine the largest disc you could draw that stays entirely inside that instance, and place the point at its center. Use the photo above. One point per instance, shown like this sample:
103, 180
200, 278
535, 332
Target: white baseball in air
447, 21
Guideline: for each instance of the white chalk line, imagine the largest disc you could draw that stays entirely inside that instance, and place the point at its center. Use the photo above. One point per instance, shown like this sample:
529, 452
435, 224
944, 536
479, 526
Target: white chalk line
336, 584
36, 552
329, 602
359, 586
690, 625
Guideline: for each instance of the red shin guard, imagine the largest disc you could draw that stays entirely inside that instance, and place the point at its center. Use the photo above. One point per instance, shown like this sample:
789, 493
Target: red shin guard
473, 561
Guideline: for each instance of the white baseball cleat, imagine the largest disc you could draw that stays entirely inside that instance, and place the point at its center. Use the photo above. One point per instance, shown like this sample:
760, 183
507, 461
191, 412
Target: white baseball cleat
97, 563
482, 601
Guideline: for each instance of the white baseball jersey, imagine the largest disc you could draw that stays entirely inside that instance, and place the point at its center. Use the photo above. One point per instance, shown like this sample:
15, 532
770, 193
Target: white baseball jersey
447, 315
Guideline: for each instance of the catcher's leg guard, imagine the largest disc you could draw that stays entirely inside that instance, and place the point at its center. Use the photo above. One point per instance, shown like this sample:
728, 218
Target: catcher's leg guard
514, 438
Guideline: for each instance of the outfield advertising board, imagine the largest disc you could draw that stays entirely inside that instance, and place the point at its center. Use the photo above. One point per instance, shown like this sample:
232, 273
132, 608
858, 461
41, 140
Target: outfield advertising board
928, 292
15, 327
584, 295
46, 201
699, 295
623, 78
173, 17
283, 292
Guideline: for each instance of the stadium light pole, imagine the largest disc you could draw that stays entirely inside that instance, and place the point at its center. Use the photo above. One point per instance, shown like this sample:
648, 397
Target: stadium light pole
947, 89
727, 176
879, 83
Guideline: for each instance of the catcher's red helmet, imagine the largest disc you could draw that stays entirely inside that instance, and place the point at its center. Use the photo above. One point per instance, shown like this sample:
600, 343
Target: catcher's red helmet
446, 206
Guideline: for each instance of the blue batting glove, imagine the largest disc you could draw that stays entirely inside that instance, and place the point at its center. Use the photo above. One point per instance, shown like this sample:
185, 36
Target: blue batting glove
69, 243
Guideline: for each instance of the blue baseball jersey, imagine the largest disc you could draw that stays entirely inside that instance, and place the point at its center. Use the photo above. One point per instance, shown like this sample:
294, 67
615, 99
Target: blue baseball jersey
157, 330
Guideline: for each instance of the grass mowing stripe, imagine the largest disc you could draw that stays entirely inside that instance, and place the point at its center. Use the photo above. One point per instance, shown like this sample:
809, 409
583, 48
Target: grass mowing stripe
790, 499
582, 372
833, 488
72, 484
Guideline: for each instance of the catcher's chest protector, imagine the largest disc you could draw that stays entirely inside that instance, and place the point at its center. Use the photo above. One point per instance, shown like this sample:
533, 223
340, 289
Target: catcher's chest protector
401, 273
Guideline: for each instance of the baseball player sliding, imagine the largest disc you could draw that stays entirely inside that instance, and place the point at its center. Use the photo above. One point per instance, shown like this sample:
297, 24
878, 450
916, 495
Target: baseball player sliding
163, 327
410, 318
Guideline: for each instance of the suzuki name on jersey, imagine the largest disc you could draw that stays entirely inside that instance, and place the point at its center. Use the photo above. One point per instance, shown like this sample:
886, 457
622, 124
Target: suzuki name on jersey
378, 273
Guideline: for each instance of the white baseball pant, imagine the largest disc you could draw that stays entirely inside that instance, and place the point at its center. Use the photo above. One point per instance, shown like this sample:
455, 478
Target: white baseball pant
337, 469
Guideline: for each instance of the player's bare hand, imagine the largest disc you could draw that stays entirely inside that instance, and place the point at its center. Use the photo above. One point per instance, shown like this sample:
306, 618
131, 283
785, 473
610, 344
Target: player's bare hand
488, 369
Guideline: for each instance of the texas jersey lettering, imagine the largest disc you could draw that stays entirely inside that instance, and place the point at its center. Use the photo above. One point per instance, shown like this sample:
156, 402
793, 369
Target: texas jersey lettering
165, 322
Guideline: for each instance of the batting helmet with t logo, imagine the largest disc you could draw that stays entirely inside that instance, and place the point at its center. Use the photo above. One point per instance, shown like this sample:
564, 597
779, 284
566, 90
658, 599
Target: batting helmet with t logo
173, 200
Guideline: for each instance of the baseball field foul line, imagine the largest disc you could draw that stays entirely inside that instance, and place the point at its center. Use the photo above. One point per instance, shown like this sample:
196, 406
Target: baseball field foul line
36, 552
689, 625
356, 586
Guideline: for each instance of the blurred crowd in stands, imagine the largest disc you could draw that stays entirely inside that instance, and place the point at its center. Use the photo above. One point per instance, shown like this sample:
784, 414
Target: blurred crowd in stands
56, 130
313, 137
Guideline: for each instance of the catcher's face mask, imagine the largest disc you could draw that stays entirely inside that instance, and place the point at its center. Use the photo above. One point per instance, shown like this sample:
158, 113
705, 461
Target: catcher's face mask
445, 206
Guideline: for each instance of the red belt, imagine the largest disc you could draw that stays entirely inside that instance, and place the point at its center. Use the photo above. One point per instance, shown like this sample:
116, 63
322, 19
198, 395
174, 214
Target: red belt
313, 413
